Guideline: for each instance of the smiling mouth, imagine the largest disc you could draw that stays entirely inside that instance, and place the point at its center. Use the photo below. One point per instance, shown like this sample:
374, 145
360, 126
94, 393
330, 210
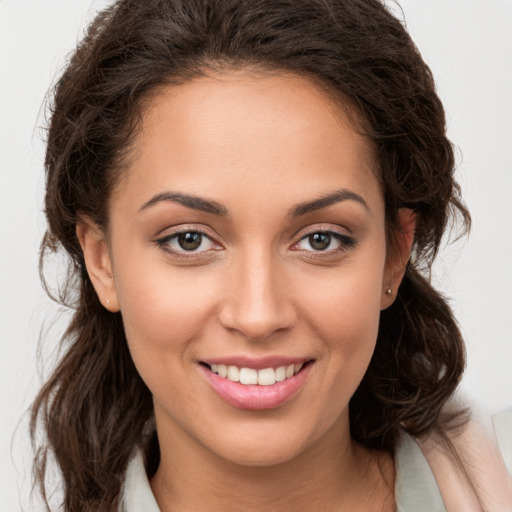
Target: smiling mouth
268, 384
251, 376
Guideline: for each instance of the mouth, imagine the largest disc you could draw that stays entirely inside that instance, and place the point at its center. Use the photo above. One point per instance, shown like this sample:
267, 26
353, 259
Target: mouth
264, 387
252, 377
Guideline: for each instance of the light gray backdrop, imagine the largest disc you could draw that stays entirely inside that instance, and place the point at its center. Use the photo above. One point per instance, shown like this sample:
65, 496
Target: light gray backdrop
467, 43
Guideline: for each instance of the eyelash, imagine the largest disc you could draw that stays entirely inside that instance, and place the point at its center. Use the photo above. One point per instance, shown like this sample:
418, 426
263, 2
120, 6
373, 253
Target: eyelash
345, 243
164, 243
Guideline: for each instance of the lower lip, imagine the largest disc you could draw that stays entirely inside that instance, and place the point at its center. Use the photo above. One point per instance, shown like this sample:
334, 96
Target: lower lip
256, 397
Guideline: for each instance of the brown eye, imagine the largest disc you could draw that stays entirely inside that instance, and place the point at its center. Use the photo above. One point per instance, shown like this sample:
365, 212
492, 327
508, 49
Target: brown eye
189, 241
328, 242
319, 241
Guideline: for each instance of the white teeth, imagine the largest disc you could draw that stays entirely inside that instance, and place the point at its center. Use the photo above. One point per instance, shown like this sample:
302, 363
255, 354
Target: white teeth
233, 373
249, 376
281, 373
267, 377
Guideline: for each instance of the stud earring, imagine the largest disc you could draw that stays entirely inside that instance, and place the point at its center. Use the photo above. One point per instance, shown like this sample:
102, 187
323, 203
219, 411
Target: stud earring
107, 301
389, 292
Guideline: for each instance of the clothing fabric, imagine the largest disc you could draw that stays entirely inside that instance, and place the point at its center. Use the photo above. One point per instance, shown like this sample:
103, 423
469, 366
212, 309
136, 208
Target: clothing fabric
416, 489
503, 427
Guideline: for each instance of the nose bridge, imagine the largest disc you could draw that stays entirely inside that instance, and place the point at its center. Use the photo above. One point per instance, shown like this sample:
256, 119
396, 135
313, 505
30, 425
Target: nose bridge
258, 304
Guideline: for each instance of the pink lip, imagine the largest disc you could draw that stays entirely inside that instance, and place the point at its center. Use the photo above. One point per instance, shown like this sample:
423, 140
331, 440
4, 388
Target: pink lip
255, 397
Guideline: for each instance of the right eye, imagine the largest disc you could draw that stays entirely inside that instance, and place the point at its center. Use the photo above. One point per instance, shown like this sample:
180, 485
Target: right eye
189, 241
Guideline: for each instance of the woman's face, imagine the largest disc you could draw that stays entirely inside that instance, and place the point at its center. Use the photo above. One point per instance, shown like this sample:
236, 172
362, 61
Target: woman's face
248, 234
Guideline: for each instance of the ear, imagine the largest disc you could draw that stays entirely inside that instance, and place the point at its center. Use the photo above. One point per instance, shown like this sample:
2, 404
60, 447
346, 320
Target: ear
98, 262
398, 256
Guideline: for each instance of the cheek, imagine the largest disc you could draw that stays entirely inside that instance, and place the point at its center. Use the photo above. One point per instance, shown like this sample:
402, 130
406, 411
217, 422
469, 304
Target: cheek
163, 310
344, 311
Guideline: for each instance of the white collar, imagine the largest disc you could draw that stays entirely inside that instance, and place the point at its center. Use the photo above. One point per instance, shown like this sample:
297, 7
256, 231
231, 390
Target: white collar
415, 486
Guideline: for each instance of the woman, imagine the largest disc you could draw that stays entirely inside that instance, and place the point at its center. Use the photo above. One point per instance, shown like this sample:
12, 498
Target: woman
240, 186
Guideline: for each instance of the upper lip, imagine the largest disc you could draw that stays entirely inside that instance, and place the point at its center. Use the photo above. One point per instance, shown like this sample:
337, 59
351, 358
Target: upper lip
256, 363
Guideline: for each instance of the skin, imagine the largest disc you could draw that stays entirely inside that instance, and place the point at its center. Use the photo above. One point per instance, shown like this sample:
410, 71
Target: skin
258, 146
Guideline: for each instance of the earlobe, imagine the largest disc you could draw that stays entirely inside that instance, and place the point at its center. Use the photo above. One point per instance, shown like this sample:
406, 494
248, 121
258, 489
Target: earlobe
399, 256
98, 262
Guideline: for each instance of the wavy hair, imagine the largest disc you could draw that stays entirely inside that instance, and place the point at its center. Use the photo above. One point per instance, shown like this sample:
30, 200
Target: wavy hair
94, 407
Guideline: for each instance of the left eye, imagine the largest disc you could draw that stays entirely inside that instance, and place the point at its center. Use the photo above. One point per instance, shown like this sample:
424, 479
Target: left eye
187, 241
323, 241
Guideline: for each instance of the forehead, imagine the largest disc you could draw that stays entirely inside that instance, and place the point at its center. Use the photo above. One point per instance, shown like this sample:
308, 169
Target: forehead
248, 134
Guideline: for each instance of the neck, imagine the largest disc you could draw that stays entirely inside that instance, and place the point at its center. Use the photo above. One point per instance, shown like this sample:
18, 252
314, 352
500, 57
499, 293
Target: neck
334, 471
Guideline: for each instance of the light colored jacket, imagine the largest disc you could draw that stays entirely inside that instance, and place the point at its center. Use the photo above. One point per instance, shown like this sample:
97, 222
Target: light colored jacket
427, 478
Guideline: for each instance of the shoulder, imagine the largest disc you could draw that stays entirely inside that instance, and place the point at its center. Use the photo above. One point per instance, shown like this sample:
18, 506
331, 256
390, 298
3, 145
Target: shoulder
416, 489
503, 428
468, 466
136, 494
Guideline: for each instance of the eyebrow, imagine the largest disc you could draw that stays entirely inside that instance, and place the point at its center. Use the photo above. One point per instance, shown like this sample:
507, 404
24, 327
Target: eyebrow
327, 200
209, 206
194, 202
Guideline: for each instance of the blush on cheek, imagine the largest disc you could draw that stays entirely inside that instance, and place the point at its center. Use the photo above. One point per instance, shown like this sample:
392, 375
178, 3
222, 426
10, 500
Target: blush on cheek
346, 318
349, 305
164, 309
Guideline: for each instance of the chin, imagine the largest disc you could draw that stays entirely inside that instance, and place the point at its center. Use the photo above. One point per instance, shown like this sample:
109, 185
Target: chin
265, 446
269, 455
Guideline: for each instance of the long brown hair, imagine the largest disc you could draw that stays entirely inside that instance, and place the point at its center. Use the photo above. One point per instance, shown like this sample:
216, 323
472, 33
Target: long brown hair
94, 406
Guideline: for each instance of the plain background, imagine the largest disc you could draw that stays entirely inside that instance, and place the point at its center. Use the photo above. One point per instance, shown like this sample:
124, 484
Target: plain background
467, 43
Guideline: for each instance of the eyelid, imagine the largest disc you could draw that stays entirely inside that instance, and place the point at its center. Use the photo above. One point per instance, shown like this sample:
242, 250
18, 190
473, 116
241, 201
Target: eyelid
168, 234
322, 228
347, 241
185, 228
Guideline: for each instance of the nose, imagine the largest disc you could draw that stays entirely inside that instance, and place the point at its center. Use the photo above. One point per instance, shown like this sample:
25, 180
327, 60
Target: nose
257, 300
